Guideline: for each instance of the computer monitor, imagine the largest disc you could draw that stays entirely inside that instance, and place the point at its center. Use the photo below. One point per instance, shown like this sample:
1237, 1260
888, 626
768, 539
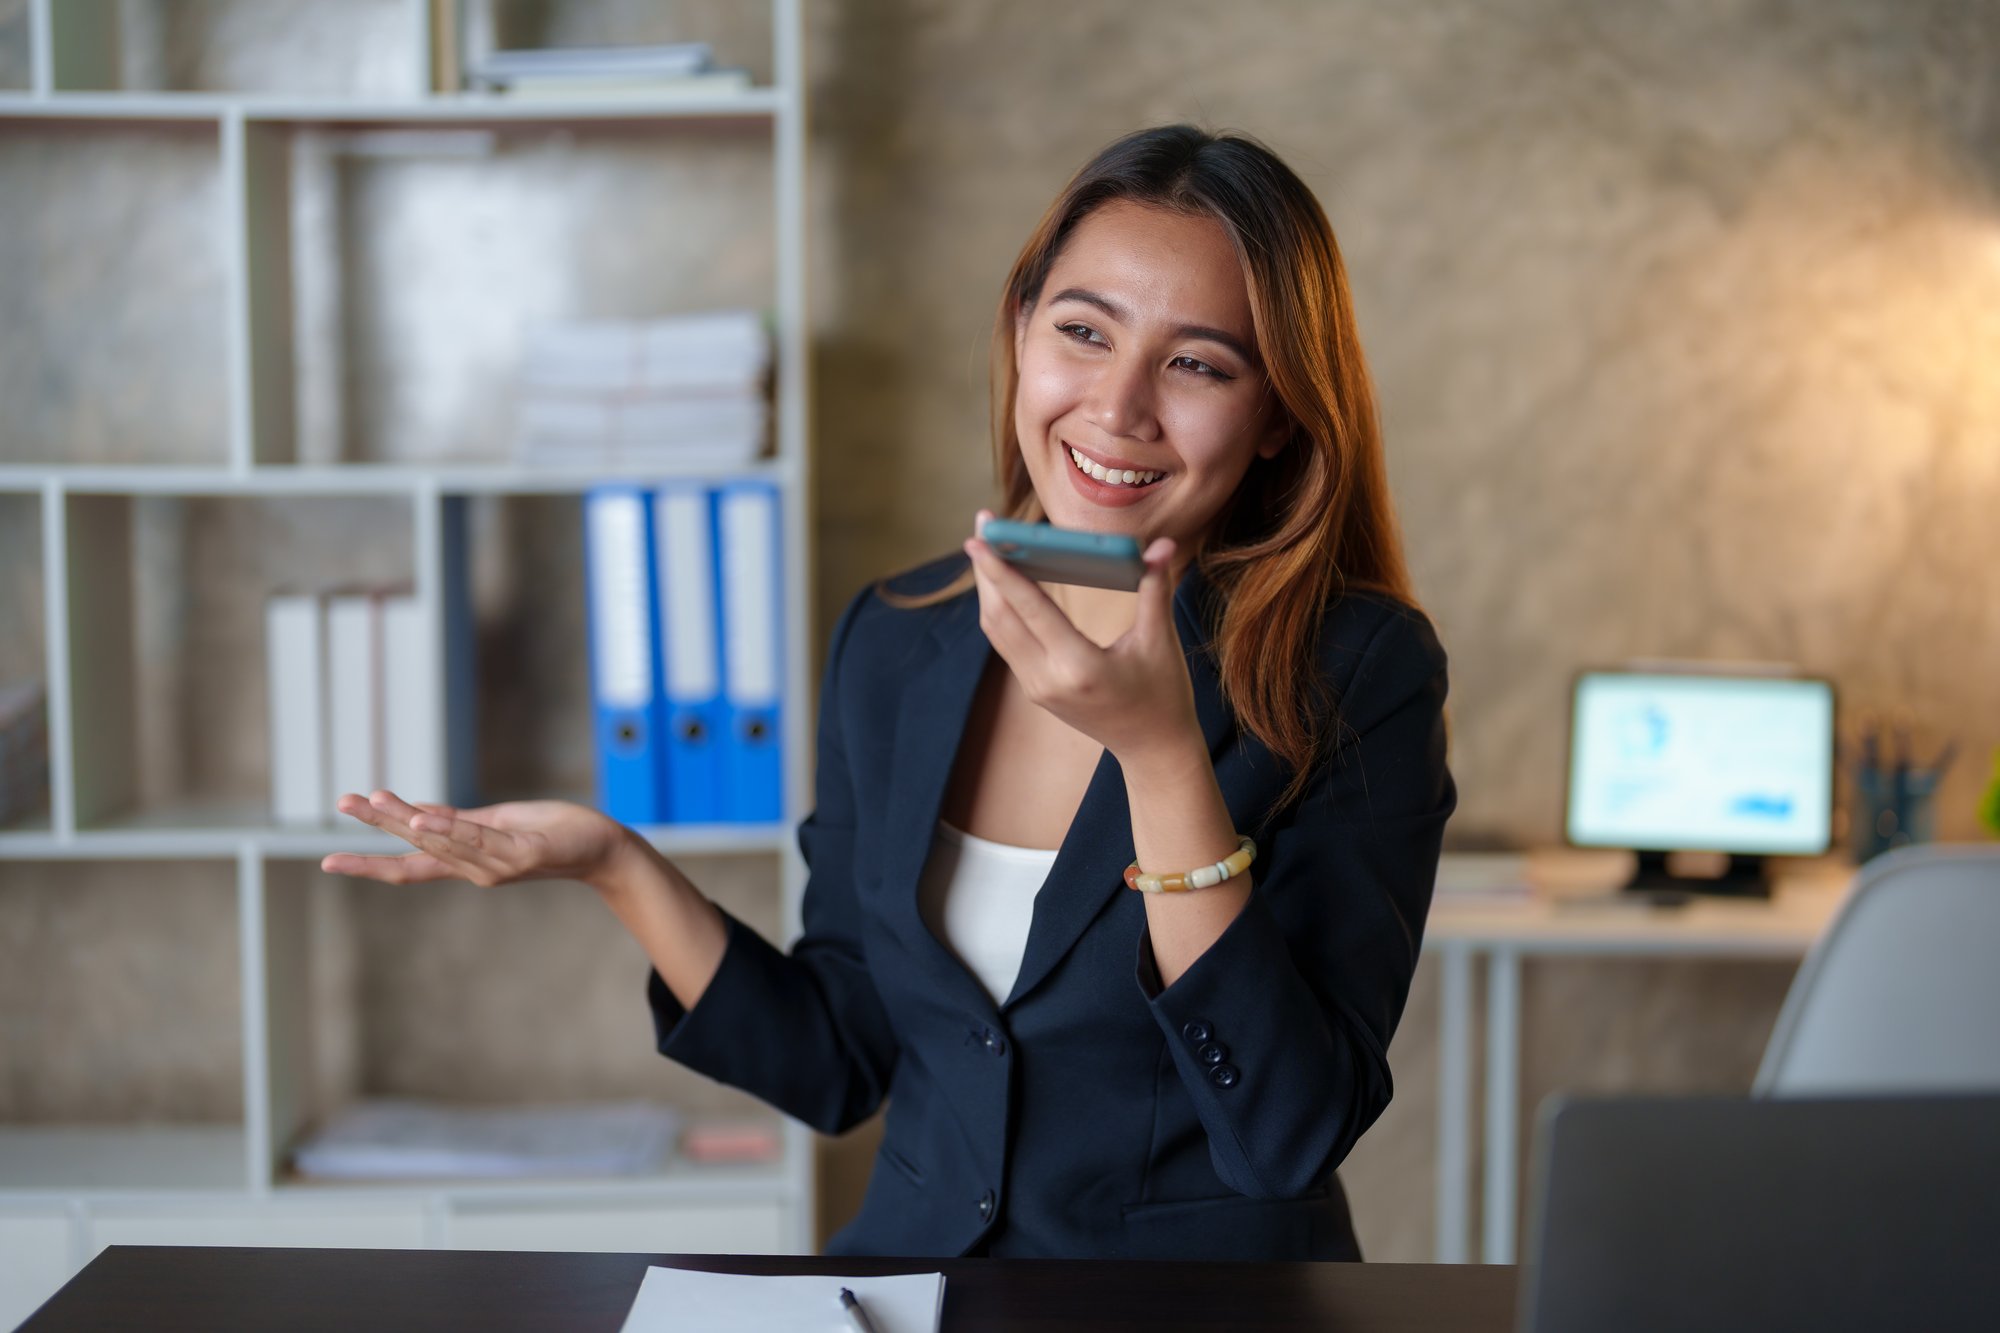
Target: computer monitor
1683, 761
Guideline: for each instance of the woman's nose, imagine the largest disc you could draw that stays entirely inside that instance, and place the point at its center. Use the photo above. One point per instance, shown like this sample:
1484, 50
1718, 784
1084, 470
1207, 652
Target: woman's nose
1120, 400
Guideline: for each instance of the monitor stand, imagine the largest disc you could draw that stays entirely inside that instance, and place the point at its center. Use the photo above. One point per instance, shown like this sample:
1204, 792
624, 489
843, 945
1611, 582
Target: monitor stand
1745, 877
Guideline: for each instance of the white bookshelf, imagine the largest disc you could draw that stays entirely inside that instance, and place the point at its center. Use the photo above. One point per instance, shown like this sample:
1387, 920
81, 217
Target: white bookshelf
68, 1189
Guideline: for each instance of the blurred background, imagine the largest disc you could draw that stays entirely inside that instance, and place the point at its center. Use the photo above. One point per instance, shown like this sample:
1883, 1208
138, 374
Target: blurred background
1683, 320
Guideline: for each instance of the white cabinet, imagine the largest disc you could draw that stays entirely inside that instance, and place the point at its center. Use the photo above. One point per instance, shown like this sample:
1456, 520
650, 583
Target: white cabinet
359, 1224
751, 1227
35, 1258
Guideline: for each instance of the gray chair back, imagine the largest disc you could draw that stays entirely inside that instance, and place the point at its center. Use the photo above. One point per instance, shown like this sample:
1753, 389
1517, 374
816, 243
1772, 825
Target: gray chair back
1902, 993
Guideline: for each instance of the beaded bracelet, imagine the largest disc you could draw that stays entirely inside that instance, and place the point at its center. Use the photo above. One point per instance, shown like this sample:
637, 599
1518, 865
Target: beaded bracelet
1202, 877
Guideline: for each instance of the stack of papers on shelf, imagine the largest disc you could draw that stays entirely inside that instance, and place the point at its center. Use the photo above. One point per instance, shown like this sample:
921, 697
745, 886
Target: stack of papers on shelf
1467, 877
607, 72
405, 1139
680, 1298
682, 391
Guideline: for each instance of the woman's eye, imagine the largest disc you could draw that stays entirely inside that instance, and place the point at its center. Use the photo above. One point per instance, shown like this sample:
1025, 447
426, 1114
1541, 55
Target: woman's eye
1200, 367
1080, 332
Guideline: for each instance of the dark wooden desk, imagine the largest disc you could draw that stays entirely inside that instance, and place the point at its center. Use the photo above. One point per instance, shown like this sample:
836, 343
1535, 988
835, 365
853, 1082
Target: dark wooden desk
154, 1287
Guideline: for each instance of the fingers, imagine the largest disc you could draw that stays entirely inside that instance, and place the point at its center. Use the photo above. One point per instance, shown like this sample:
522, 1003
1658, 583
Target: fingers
1002, 627
474, 839
469, 849
1156, 592
1015, 598
412, 868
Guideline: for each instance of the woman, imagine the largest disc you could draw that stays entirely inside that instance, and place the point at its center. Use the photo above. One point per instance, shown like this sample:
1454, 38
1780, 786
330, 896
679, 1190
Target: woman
1073, 1068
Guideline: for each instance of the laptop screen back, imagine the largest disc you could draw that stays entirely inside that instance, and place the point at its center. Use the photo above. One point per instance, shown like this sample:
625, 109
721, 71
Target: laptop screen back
1721, 1214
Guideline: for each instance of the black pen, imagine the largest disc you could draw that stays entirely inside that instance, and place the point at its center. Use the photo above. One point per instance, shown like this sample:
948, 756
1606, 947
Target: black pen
855, 1314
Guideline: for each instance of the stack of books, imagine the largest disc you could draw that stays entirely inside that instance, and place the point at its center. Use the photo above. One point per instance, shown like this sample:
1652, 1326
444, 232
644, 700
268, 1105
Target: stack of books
686, 391
636, 72
24, 750
347, 671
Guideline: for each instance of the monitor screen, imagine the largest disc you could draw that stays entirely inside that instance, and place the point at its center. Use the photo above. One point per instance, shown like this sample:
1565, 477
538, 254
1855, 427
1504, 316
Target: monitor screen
1672, 762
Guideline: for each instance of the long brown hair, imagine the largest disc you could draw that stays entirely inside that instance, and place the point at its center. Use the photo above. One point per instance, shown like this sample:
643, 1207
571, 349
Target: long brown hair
1303, 527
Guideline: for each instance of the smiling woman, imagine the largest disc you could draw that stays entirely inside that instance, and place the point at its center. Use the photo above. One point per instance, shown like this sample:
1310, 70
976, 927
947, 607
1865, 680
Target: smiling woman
1254, 740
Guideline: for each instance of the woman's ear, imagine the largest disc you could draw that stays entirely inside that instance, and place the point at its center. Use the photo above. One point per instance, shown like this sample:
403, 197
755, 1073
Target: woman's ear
1020, 331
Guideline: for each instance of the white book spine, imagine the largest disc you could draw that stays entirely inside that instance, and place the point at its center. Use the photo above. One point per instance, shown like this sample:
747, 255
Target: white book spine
353, 759
294, 648
412, 765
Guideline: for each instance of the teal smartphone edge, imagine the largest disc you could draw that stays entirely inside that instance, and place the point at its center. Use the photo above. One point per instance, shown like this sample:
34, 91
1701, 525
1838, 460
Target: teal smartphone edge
1049, 554
1066, 541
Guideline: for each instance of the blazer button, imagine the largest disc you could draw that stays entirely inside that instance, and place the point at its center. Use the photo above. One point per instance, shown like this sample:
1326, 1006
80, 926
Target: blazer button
1224, 1076
1197, 1031
995, 1043
1213, 1053
986, 1206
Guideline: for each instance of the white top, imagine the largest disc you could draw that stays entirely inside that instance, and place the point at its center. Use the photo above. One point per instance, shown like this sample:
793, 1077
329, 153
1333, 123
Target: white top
979, 897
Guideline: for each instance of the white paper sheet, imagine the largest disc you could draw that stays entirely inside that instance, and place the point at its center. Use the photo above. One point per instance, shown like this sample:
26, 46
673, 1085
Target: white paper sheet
679, 1300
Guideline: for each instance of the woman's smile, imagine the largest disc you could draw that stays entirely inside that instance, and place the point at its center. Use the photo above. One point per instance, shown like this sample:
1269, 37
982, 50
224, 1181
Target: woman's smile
1107, 486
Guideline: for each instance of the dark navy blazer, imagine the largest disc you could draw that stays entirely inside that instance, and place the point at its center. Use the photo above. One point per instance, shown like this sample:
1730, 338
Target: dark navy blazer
1093, 1113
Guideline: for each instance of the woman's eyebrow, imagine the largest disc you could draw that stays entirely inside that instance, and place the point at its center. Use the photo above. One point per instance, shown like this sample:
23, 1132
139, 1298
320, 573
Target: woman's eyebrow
1117, 312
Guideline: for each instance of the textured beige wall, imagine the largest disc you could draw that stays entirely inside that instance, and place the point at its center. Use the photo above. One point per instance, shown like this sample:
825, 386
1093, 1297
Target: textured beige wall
1684, 316
1681, 314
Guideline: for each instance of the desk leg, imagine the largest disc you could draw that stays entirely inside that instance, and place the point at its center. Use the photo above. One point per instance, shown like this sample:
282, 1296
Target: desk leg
1454, 1157
1503, 1077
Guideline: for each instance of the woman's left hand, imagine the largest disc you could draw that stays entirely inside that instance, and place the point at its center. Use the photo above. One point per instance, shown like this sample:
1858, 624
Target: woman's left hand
1132, 696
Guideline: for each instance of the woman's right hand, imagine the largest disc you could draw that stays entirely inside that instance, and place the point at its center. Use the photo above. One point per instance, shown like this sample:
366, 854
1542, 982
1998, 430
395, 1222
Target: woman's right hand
681, 931
494, 844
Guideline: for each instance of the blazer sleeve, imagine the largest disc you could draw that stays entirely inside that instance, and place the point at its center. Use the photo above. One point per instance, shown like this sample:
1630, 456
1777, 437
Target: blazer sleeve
1280, 1029
805, 1030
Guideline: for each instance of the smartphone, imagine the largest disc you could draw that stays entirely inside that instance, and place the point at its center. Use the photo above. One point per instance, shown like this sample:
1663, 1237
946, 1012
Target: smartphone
1049, 554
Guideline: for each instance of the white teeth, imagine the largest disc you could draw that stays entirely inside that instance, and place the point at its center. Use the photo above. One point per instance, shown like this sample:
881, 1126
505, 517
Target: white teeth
1109, 477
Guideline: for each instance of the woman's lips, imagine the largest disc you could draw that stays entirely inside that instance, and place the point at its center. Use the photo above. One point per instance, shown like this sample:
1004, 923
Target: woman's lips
1103, 493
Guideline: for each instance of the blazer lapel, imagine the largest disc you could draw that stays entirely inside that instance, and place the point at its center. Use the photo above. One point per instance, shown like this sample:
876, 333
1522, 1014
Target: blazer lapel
1089, 871
934, 704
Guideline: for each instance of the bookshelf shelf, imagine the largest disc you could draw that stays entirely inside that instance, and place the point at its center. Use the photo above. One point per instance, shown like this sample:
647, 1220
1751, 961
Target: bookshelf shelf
750, 104
208, 830
339, 424
390, 479
114, 107
678, 1182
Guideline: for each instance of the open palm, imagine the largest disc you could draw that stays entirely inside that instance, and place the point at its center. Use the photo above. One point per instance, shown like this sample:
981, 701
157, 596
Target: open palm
494, 844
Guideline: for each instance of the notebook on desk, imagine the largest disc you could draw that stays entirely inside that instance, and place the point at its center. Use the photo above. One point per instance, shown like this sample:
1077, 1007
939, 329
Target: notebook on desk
1727, 1213
680, 1298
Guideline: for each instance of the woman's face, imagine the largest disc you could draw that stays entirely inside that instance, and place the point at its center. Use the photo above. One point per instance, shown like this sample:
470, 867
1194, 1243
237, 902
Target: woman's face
1139, 356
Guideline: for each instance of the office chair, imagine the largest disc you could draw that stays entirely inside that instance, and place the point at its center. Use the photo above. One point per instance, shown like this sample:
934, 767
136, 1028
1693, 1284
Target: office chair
1902, 993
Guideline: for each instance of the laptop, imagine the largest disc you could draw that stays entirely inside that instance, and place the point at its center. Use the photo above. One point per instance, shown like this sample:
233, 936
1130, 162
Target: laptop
1727, 1213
